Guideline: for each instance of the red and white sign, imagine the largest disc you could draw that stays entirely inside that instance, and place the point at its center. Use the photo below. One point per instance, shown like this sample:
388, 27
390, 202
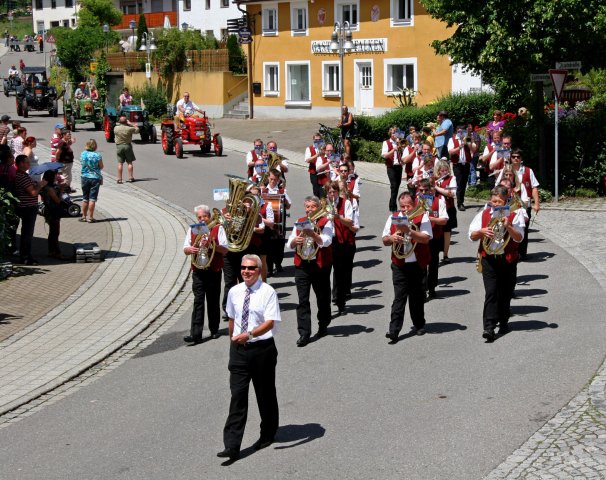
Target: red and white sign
50, 39
558, 78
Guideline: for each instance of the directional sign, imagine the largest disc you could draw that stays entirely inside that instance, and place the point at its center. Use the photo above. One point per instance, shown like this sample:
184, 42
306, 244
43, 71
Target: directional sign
568, 65
540, 77
558, 78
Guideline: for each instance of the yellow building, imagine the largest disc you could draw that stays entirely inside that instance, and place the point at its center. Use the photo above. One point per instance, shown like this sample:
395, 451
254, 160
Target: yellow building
299, 74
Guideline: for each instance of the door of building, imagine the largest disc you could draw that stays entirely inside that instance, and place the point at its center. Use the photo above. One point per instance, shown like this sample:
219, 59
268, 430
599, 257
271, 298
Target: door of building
364, 87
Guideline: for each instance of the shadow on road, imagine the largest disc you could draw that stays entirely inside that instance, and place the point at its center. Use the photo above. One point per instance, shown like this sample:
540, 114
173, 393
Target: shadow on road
447, 281
452, 293
524, 279
369, 248
5, 318
166, 343
366, 294
348, 330
528, 325
530, 292
365, 237
299, 434
364, 284
539, 257
367, 263
363, 309
443, 327
527, 309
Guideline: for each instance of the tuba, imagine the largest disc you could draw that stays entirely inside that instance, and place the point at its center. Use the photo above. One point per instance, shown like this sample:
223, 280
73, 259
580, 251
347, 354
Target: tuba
496, 245
206, 245
243, 208
309, 249
273, 164
404, 250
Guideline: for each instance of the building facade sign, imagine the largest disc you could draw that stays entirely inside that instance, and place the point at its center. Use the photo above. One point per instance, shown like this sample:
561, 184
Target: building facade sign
365, 45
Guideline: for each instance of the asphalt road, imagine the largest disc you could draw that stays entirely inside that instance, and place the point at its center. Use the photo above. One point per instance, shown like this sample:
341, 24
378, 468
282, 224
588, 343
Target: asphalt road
446, 405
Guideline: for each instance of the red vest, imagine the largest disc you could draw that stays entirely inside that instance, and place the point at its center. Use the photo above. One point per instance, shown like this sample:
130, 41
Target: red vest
438, 230
444, 183
343, 234
421, 250
352, 183
324, 175
217, 263
251, 170
526, 183
324, 256
257, 238
408, 166
311, 167
511, 250
455, 157
487, 168
390, 161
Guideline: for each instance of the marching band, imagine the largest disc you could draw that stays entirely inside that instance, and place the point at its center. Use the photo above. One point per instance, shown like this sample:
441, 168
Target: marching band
419, 227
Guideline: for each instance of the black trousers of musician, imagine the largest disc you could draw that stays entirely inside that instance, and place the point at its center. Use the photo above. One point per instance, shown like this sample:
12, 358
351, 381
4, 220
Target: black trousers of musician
231, 273
499, 278
317, 189
309, 276
436, 245
275, 253
523, 245
342, 262
395, 179
206, 286
407, 285
461, 173
491, 180
257, 362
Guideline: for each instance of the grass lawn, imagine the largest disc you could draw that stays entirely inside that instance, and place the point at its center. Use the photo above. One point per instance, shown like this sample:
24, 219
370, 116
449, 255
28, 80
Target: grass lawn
20, 28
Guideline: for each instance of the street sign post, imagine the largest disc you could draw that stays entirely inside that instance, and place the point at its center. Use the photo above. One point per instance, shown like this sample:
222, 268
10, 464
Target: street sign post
540, 77
558, 78
568, 65
244, 35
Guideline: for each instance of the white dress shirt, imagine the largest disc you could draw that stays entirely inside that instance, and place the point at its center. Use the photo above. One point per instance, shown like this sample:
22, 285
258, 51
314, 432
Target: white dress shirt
187, 105
462, 152
519, 222
425, 228
220, 234
263, 306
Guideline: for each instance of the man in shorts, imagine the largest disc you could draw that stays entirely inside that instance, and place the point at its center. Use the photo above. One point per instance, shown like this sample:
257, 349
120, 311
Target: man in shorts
123, 134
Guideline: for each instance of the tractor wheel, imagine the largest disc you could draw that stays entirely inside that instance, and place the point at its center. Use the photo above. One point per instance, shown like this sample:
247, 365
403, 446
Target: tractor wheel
218, 146
153, 138
19, 108
144, 136
108, 129
179, 147
72, 123
25, 109
167, 141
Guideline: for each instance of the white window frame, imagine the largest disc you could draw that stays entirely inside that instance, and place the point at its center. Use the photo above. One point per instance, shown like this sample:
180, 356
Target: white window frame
399, 22
297, 103
398, 61
325, 91
267, 32
266, 91
296, 32
338, 8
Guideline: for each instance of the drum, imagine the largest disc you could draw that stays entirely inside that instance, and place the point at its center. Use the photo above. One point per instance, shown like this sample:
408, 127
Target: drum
279, 207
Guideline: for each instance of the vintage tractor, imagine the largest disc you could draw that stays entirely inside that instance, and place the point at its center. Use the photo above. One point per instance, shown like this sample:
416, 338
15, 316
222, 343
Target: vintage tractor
11, 83
134, 114
77, 111
190, 130
35, 93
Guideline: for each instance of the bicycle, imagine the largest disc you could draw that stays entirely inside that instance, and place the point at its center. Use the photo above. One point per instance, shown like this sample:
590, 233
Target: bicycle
329, 136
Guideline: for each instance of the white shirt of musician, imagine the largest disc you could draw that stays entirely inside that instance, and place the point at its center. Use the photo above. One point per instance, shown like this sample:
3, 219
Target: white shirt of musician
320, 161
442, 213
462, 152
519, 222
276, 191
263, 306
221, 236
452, 185
356, 187
425, 228
494, 159
325, 235
350, 212
397, 159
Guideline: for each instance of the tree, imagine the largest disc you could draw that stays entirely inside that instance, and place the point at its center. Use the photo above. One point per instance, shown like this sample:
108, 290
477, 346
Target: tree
237, 61
95, 13
506, 41
173, 45
141, 28
75, 48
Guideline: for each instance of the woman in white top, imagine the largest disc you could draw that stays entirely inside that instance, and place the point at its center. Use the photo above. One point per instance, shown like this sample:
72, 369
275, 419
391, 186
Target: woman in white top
28, 149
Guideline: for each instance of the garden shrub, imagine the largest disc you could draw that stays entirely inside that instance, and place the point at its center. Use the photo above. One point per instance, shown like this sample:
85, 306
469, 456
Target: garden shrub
154, 98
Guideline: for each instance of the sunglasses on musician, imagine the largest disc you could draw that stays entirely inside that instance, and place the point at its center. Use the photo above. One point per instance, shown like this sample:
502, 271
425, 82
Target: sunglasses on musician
248, 268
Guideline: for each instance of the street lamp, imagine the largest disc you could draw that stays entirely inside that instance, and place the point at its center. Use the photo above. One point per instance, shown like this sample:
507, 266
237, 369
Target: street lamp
105, 32
341, 43
148, 44
184, 26
132, 24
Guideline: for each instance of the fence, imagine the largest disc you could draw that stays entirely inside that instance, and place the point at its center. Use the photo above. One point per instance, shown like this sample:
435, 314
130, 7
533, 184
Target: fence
198, 61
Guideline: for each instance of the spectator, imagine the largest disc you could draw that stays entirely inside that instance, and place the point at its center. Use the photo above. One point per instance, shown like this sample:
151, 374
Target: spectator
94, 94
123, 134
28, 149
7, 182
51, 196
495, 125
41, 43
65, 155
125, 98
55, 139
5, 129
27, 194
91, 180
443, 134
17, 142
21, 65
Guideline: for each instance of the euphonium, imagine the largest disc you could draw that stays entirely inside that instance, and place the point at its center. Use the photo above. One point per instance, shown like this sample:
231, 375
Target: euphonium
273, 164
206, 248
496, 245
309, 249
404, 250
243, 208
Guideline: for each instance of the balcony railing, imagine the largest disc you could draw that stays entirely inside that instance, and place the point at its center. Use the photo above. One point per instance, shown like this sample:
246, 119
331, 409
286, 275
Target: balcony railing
153, 20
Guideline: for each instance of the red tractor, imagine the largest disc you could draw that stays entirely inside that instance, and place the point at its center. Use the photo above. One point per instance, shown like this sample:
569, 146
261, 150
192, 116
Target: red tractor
191, 131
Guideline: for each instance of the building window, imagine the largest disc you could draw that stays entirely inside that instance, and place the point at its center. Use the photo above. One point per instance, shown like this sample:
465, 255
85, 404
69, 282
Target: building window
39, 5
224, 3
347, 11
298, 18
69, 3
207, 5
298, 83
40, 26
224, 34
330, 79
66, 23
270, 20
210, 34
73, 22
271, 79
54, 24
401, 12
400, 73
186, 4
53, 3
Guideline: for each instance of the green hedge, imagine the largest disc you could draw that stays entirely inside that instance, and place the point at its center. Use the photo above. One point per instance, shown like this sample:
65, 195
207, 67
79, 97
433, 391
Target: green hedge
155, 99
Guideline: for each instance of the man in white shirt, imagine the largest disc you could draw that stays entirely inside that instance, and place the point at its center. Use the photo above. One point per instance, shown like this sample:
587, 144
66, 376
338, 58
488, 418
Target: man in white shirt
253, 311
461, 150
391, 152
13, 71
185, 107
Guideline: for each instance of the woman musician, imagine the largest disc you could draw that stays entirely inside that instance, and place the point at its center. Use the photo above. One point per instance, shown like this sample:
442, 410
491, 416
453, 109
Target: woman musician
446, 185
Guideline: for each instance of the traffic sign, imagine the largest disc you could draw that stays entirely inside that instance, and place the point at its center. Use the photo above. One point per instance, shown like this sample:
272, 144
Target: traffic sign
569, 65
558, 78
50, 39
540, 77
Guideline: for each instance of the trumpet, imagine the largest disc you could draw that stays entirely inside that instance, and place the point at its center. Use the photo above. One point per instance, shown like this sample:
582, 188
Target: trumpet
309, 249
405, 249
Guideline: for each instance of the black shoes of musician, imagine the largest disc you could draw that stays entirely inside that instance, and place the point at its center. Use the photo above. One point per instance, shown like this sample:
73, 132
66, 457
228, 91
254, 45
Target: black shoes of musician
420, 331
461, 208
302, 341
522, 257
431, 295
270, 274
489, 335
393, 337
262, 443
348, 296
279, 268
342, 310
504, 330
230, 453
322, 332
194, 340
215, 335
445, 260
225, 317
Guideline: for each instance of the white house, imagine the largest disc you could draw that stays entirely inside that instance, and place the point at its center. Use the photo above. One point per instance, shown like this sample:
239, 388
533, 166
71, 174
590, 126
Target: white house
208, 16
48, 14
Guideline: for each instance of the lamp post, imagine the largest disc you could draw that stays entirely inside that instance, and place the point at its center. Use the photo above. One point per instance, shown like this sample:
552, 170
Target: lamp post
105, 32
148, 44
184, 26
341, 43
132, 24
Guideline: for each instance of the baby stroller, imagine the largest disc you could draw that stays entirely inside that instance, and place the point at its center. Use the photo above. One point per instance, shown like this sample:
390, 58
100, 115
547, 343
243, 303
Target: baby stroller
67, 207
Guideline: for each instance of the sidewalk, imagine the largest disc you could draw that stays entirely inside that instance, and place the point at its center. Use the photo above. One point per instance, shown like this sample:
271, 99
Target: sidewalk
143, 271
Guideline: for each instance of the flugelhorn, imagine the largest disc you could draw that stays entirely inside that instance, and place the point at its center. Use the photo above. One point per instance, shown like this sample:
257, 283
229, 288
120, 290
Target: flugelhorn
205, 245
496, 244
404, 250
309, 249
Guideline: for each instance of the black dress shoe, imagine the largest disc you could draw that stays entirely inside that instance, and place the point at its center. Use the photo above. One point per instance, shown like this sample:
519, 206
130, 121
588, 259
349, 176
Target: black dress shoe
342, 311
279, 269
215, 335
393, 337
230, 453
262, 443
504, 329
420, 331
461, 208
489, 335
322, 332
190, 339
225, 317
302, 341
432, 294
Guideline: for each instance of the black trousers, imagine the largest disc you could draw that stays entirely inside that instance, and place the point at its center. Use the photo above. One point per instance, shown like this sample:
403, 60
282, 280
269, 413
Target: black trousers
257, 362
275, 254
342, 258
231, 273
499, 278
206, 285
309, 276
407, 284
523, 246
28, 217
317, 189
395, 179
461, 173
436, 245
